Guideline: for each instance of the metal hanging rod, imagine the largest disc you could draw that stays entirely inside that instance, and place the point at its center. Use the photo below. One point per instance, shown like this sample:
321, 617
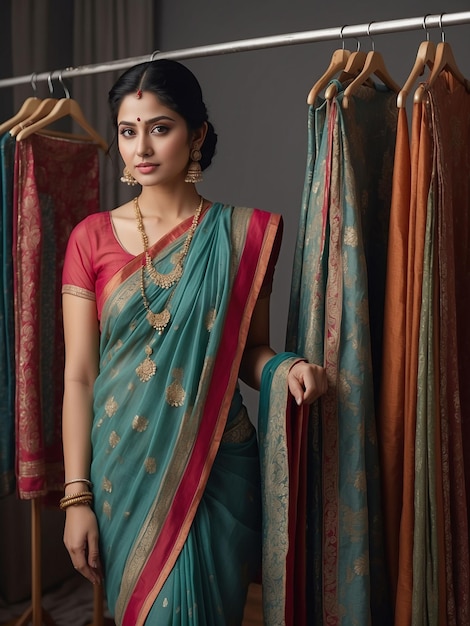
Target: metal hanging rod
426, 22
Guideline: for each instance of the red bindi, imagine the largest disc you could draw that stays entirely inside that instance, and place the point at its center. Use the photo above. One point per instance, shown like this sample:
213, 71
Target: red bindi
138, 119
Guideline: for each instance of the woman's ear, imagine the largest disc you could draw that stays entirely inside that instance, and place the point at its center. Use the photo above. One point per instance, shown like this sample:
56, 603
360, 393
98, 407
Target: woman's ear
199, 135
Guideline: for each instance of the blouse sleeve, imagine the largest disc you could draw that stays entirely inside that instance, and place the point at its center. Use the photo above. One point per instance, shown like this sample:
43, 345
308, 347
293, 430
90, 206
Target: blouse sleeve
78, 276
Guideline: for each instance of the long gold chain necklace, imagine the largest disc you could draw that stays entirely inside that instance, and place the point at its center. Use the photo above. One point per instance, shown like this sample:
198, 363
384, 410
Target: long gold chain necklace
159, 321
165, 281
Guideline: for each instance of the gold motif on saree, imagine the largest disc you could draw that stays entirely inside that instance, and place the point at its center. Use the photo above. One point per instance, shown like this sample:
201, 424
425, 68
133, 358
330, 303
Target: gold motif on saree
147, 368
210, 319
114, 439
360, 482
140, 423
150, 465
107, 509
111, 406
107, 485
361, 565
350, 236
175, 394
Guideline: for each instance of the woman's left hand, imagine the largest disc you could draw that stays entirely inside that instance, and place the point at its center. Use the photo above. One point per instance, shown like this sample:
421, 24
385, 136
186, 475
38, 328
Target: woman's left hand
307, 382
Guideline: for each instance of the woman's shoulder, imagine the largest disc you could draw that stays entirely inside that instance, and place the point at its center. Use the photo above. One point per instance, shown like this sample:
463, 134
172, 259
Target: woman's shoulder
91, 230
93, 222
243, 210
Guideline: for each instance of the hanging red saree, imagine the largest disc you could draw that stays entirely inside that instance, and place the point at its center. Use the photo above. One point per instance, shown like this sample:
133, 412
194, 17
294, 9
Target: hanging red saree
56, 185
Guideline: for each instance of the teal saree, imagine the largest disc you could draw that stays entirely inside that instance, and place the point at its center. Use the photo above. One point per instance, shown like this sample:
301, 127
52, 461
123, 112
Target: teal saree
175, 461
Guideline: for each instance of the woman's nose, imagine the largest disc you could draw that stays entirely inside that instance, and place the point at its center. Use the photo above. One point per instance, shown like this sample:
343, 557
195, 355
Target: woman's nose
144, 147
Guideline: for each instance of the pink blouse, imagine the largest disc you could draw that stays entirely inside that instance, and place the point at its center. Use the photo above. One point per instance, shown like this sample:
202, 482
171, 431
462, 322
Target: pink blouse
93, 256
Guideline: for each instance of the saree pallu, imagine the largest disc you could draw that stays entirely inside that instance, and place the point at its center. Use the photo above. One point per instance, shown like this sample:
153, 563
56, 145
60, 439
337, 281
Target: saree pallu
177, 499
56, 185
335, 318
7, 346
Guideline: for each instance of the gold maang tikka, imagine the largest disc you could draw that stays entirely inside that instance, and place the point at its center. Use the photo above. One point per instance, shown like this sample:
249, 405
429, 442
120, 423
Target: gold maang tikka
159, 321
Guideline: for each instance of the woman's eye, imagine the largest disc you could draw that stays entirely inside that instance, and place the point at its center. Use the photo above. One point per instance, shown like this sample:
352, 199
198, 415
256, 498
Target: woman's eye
160, 130
126, 132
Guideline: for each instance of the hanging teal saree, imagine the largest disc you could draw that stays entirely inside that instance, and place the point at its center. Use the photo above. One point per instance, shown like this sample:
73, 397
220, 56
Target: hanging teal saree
335, 318
175, 460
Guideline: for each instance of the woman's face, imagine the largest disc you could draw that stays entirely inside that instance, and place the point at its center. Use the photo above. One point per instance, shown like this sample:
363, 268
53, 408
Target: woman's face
153, 140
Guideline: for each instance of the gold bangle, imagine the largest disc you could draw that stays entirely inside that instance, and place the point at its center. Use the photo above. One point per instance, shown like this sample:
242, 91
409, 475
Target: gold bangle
79, 480
85, 497
73, 501
76, 495
66, 505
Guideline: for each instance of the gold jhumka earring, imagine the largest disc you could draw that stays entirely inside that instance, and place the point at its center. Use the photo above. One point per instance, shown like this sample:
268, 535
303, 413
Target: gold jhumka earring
194, 173
128, 178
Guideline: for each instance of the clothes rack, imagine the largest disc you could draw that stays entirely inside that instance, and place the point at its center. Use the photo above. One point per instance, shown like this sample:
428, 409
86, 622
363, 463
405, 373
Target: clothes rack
370, 29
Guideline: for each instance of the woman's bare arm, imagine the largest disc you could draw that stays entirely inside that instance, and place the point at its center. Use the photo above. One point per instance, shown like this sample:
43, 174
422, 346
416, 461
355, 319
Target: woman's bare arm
307, 381
81, 333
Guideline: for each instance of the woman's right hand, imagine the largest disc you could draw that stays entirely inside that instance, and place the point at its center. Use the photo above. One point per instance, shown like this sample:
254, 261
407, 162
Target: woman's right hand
81, 540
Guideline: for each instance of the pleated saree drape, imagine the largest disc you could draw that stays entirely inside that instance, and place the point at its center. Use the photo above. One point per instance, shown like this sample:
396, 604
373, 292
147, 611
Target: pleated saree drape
336, 318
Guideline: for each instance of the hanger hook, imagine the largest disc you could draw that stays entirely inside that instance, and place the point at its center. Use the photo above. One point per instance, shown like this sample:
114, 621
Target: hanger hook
34, 82
443, 35
64, 87
370, 36
341, 36
49, 82
425, 27
154, 54
358, 44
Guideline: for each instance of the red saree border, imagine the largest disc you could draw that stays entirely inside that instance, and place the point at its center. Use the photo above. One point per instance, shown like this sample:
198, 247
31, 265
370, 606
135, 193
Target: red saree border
260, 239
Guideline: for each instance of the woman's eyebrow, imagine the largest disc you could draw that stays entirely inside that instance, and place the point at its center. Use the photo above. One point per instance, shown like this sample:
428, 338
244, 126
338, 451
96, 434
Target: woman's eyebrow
159, 118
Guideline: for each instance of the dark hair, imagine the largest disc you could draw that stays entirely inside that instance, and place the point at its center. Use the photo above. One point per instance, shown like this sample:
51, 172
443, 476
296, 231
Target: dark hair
176, 87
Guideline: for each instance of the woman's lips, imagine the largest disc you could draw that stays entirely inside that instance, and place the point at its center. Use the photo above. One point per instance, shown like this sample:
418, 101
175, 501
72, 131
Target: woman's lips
147, 168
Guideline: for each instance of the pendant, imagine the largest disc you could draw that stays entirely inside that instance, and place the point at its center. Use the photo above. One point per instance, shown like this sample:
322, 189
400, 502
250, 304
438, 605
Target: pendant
147, 368
159, 321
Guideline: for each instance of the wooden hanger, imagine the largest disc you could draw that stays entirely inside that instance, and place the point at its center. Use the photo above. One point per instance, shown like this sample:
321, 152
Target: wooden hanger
28, 106
424, 57
374, 64
353, 67
338, 62
44, 107
444, 60
64, 107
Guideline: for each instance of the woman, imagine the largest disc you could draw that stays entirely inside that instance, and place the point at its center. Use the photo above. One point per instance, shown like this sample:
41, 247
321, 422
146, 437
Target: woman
166, 304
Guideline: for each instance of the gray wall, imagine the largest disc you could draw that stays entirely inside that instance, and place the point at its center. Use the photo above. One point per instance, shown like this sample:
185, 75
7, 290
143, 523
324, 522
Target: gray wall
257, 99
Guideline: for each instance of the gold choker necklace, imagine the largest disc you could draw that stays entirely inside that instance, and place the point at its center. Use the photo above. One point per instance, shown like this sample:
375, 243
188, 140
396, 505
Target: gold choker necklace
159, 321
